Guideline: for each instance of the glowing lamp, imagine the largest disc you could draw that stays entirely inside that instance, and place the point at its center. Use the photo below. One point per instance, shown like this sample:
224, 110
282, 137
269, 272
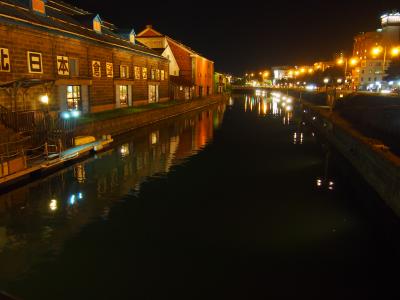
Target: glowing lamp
44, 99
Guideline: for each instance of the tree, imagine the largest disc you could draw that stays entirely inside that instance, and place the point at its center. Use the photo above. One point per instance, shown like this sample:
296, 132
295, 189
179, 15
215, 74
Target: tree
393, 72
334, 73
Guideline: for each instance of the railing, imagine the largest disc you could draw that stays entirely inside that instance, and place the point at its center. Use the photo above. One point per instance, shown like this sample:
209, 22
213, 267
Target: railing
18, 121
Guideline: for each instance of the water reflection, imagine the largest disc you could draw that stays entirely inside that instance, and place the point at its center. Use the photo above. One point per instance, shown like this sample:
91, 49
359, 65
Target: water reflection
270, 105
37, 219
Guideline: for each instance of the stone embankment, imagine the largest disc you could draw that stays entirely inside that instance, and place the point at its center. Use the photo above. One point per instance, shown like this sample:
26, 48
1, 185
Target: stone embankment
123, 124
376, 163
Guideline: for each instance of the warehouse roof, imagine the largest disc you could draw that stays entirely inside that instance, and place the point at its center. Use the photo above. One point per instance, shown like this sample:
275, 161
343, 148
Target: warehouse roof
68, 20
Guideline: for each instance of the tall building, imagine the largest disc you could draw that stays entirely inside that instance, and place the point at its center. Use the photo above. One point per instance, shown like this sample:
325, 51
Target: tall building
191, 73
372, 67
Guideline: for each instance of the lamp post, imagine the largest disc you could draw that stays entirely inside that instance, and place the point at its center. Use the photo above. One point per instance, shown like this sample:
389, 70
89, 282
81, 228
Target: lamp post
44, 99
326, 81
377, 50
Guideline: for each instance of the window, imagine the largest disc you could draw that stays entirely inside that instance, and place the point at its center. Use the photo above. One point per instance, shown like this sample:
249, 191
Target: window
144, 73
74, 98
153, 74
123, 95
38, 6
157, 74
73, 67
162, 75
124, 71
132, 37
97, 24
137, 73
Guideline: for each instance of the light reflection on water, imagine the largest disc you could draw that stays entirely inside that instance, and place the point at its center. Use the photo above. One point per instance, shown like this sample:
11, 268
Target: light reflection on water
265, 203
38, 218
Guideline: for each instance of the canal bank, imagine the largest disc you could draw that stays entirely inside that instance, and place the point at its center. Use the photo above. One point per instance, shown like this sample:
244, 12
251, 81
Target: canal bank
370, 157
115, 126
103, 130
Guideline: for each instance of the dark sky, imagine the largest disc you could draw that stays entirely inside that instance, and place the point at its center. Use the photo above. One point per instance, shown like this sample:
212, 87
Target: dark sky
253, 35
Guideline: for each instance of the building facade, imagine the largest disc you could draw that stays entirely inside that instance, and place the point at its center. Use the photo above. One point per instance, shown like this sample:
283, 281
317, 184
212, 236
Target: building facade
222, 83
192, 75
372, 67
77, 60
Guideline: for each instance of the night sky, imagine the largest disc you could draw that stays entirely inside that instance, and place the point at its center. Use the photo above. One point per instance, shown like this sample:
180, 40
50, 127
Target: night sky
255, 35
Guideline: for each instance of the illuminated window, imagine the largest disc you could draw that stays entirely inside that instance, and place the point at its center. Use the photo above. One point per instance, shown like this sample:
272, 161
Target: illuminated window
132, 37
123, 95
124, 71
74, 98
38, 6
153, 74
157, 74
97, 24
144, 73
162, 75
137, 73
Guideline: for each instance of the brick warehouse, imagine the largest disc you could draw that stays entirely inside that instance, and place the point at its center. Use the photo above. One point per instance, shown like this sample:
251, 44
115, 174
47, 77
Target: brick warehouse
191, 74
80, 61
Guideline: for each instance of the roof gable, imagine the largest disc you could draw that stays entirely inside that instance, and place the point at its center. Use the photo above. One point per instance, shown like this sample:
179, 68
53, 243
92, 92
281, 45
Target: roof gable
149, 32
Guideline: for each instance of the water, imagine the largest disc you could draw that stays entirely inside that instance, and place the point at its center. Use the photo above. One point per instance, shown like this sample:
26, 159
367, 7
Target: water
239, 201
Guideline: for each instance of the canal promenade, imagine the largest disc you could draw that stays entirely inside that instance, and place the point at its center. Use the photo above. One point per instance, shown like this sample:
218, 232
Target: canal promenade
104, 128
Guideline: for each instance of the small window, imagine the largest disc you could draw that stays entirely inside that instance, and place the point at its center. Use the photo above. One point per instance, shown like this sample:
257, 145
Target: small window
153, 74
97, 24
124, 71
157, 74
144, 73
74, 67
74, 99
123, 95
137, 73
38, 6
132, 38
162, 75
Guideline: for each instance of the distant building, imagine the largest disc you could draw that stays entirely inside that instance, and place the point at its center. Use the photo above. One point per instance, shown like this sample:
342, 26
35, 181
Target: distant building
280, 72
222, 82
323, 65
192, 75
372, 67
78, 60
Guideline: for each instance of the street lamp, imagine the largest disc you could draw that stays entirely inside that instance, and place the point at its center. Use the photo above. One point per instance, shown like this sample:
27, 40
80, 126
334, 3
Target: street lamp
326, 81
346, 62
44, 99
377, 50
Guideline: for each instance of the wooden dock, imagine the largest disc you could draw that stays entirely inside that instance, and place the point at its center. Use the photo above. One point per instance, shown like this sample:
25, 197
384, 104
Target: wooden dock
55, 162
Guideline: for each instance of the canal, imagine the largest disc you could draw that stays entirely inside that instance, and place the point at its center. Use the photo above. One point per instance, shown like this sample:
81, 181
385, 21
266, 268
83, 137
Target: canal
238, 201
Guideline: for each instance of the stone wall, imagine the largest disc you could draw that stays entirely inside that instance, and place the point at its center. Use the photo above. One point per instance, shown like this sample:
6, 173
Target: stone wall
375, 163
125, 124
